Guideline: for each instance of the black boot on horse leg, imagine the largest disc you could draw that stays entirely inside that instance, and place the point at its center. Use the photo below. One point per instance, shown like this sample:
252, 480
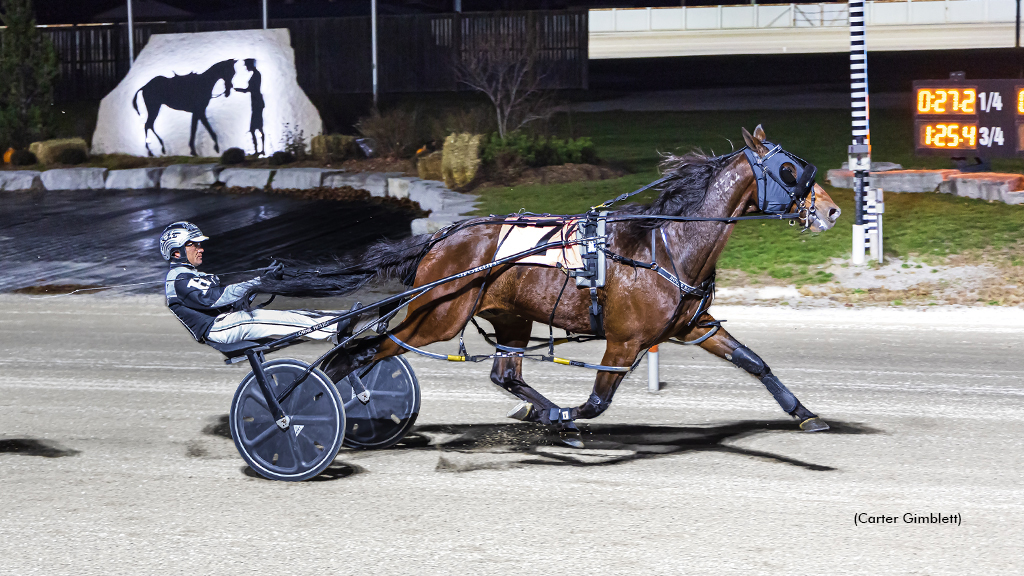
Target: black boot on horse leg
746, 359
507, 373
347, 360
723, 345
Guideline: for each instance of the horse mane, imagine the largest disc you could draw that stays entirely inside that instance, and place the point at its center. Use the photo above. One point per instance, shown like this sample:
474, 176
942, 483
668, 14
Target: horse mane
683, 193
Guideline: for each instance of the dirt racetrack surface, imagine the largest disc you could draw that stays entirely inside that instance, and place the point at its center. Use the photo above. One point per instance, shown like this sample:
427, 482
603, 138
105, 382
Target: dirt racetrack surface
114, 457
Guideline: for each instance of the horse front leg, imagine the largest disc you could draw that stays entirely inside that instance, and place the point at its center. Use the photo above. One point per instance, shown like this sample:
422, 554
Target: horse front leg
723, 345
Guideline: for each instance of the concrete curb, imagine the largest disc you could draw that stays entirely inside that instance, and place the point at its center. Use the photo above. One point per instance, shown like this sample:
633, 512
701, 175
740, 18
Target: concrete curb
246, 177
134, 179
190, 176
75, 179
18, 180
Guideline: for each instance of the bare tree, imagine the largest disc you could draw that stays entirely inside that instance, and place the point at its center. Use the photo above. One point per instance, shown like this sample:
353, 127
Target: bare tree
506, 68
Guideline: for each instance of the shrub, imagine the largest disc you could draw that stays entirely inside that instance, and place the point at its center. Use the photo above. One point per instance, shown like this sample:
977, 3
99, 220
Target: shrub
538, 151
294, 142
28, 70
394, 131
72, 156
23, 158
466, 120
279, 158
232, 156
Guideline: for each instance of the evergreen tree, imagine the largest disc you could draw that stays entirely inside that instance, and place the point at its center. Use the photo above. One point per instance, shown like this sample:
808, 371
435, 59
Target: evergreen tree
28, 69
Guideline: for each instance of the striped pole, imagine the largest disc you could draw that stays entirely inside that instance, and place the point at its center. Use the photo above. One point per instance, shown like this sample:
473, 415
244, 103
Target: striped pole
860, 150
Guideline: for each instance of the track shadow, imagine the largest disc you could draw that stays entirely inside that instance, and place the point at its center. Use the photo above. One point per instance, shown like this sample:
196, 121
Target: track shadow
33, 447
335, 471
470, 447
517, 445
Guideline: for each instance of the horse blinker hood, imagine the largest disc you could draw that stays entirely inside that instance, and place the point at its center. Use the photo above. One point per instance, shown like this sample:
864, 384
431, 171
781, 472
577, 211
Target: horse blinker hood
782, 178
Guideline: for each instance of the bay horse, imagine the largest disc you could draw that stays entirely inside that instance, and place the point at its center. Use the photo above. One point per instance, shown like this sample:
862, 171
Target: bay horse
640, 309
188, 93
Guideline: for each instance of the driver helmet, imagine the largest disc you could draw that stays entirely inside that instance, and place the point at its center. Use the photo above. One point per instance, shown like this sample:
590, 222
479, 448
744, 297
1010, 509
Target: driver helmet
177, 235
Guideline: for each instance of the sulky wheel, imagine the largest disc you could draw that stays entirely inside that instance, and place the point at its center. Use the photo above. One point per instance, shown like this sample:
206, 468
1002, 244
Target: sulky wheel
314, 434
392, 409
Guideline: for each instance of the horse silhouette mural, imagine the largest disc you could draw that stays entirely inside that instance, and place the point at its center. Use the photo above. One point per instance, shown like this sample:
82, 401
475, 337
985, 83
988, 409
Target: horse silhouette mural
188, 93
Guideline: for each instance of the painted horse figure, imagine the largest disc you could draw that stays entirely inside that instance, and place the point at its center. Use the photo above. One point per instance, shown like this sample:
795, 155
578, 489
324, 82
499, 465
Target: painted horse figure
640, 309
188, 93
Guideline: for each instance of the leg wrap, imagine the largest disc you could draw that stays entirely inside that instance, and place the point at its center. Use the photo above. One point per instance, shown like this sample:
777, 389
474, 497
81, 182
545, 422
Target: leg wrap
746, 359
782, 394
593, 407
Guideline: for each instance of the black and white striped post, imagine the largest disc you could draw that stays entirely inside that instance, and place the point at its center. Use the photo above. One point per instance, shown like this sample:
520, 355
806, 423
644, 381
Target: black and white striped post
860, 150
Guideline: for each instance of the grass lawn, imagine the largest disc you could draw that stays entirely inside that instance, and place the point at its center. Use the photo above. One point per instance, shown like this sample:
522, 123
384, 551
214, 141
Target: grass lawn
928, 227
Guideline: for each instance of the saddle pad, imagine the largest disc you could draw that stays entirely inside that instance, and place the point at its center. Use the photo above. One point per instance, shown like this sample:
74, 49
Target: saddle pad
515, 239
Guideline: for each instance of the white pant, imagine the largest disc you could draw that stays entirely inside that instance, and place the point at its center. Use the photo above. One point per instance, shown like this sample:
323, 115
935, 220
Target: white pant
237, 326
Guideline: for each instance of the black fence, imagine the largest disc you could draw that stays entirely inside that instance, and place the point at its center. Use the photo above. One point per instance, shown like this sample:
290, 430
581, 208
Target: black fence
416, 53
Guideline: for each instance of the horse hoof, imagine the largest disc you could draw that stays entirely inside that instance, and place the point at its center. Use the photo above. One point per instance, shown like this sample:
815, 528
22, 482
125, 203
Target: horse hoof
571, 440
814, 424
521, 411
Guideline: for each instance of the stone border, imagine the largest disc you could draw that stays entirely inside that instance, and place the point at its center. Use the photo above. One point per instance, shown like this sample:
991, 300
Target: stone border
991, 186
445, 206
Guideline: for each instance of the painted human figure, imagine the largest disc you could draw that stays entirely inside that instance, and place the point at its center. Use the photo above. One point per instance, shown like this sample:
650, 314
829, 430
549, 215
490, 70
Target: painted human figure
256, 123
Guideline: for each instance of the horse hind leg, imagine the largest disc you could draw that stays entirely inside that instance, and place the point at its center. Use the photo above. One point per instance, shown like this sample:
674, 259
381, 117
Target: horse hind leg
507, 372
723, 345
206, 124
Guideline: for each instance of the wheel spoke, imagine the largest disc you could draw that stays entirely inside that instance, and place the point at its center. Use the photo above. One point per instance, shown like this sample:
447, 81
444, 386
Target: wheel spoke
256, 393
304, 419
261, 438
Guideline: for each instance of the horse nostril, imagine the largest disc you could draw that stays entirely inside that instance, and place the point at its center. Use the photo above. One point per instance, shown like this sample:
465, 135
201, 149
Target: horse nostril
833, 213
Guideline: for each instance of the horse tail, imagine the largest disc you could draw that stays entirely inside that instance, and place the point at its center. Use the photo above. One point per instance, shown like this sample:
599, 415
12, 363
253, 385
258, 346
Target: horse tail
383, 260
134, 105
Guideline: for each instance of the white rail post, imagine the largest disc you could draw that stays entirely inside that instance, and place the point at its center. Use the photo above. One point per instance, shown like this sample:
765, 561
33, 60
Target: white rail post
653, 378
373, 34
264, 14
860, 150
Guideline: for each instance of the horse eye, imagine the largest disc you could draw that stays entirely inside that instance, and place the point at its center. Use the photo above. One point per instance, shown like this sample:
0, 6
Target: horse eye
788, 175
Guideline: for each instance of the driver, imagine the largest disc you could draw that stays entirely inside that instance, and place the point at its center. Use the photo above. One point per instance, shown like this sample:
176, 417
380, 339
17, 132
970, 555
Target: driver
213, 312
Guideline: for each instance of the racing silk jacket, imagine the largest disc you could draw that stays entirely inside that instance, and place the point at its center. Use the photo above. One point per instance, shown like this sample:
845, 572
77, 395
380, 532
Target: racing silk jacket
197, 299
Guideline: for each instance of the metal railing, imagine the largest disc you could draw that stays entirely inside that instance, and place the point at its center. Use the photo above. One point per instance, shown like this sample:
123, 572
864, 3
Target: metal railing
812, 15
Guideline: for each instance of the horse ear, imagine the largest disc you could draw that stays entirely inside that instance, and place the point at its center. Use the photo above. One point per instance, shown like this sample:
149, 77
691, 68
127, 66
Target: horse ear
759, 133
753, 142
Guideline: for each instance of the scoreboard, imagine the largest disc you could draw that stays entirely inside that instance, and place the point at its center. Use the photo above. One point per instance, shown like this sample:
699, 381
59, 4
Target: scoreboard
982, 118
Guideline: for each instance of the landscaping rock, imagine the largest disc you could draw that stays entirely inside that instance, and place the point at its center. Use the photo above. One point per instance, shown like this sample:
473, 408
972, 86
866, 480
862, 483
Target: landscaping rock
339, 179
245, 177
377, 183
434, 196
878, 166
189, 176
75, 179
20, 180
429, 167
895, 180
298, 178
994, 187
134, 179
460, 160
48, 151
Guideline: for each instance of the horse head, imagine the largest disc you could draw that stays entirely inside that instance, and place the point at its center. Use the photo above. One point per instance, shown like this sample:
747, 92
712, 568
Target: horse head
223, 71
785, 184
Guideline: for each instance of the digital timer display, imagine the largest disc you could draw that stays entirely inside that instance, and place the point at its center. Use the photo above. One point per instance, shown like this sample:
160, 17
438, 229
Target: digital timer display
948, 135
950, 100
969, 118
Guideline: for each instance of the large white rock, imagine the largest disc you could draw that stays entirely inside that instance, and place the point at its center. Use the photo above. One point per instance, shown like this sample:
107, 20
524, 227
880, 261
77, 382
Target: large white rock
75, 179
120, 129
298, 178
20, 180
189, 176
134, 179
245, 177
